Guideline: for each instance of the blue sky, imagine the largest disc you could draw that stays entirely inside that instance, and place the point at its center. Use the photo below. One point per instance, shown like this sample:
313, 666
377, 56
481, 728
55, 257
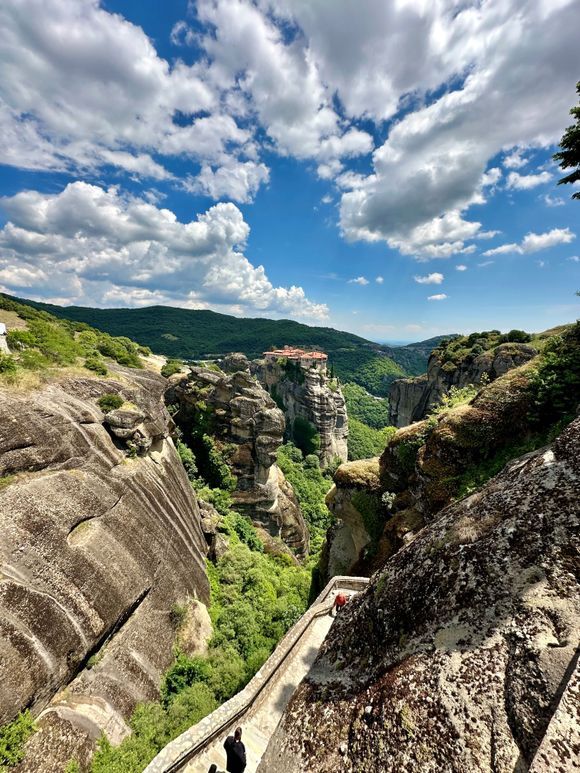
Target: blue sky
293, 159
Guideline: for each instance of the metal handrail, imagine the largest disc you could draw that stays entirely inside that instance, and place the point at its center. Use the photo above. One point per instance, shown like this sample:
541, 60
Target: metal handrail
290, 641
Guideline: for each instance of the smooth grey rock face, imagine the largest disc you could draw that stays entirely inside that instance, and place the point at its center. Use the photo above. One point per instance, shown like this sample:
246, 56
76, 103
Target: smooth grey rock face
411, 399
463, 644
96, 548
247, 417
312, 399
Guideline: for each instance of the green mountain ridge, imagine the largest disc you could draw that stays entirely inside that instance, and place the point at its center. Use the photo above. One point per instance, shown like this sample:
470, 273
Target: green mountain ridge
197, 334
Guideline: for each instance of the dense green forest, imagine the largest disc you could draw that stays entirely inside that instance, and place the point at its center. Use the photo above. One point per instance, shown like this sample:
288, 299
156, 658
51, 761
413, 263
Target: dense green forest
195, 334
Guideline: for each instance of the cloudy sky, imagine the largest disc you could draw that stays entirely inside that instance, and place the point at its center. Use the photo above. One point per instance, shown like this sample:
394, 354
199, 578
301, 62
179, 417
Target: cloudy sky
381, 166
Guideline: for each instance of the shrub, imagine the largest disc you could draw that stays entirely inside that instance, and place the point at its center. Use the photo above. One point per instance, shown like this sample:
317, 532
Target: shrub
363, 441
110, 402
7, 364
177, 614
187, 459
171, 367
234, 523
311, 461
13, 736
183, 673
96, 364
19, 339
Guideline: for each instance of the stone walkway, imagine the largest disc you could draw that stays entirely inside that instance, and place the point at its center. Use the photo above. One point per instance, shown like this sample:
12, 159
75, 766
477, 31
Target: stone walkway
262, 719
259, 706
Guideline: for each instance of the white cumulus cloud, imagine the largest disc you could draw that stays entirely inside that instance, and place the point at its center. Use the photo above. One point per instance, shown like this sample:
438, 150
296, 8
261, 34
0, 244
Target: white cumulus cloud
524, 182
430, 279
437, 297
91, 245
533, 242
359, 280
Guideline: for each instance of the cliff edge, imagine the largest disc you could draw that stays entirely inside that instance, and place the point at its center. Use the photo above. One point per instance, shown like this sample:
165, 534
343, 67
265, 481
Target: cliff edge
101, 537
458, 654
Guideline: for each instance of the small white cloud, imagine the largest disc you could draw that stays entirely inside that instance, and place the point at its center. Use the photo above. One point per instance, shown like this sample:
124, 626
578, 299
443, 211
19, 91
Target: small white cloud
534, 242
360, 280
327, 199
514, 160
437, 297
379, 280
523, 182
461, 267
430, 279
553, 201
486, 263
574, 258
540, 263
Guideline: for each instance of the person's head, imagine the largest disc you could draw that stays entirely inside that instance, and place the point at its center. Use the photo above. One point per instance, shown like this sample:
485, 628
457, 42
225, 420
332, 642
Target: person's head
238, 734
213, 768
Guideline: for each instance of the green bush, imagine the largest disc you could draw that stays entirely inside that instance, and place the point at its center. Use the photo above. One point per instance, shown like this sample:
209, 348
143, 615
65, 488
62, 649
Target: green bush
171, 367
110, 402
187, 459
364, 442
96, 364
13, 736
555, 384
7, 364
242, 527
310, 486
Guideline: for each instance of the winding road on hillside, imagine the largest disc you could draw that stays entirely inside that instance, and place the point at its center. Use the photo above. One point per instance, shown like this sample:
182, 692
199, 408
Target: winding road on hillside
259, 706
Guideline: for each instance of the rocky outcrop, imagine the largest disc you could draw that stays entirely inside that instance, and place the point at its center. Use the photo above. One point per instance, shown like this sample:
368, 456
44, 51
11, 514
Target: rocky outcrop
411, 399
245, 422
101, 537
457, 656
355, 501
309, 394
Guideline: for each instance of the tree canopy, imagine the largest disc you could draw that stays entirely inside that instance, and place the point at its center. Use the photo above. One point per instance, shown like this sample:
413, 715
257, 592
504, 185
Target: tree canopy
569, 155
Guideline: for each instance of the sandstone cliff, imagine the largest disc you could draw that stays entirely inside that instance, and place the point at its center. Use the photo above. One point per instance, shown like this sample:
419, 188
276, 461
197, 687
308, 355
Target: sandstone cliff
249, 427
309, 394
101, 537
411, 399
456, 657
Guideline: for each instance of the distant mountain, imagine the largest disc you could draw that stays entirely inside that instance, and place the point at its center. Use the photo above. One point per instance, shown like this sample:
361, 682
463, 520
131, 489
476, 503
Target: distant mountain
197, 334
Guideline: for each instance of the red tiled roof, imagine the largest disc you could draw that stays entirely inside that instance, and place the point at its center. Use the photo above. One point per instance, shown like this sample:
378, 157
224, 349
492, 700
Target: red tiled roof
294, 352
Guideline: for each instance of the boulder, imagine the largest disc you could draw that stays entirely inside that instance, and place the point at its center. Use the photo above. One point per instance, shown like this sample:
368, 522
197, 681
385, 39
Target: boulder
460, 656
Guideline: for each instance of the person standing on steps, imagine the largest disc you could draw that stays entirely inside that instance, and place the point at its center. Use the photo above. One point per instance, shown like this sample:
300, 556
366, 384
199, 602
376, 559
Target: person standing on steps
235, 752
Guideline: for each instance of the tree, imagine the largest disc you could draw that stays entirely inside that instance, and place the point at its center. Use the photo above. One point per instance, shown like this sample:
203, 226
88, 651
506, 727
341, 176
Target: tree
569, 155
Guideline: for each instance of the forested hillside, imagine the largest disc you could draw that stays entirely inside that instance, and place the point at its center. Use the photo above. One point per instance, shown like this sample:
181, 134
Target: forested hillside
195, 334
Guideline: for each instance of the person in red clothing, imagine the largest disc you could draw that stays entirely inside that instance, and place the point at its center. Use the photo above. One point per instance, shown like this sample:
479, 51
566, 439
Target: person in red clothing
340, 602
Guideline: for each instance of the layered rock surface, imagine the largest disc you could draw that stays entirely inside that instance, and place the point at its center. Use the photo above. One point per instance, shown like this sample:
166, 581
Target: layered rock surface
101, 536
355, 501
457, 656
411, 399
244, 416
311, 395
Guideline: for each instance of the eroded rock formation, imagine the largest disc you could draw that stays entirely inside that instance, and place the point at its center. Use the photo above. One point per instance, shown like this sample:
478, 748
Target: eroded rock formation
410, 399
311, 395
101, 537
245, 420
458, 654
355, 501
